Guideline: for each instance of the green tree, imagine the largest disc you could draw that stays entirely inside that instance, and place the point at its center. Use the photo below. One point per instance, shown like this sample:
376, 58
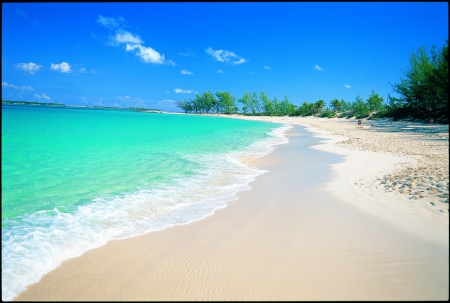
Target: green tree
393, 103
182, 105
247, 101
255, 102
208, 101
359, 107
425, 85
318, 106
303, 109
227, 102
268, 105
346, 105
197, 103
290, 108
375, 101
336, 104
277, 107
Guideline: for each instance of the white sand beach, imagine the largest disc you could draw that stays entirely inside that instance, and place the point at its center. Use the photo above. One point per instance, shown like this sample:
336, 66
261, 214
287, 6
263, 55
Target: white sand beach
363, 215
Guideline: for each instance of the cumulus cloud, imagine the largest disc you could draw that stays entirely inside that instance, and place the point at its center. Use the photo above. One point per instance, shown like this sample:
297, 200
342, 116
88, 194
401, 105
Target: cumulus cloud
30, 68
267, 67
347, 86
183, 91
317, 67
6, 84
133, 43
42, 96
185, 72
220, 71
148, 54
127, 37
124, 97
225, 56
64, 67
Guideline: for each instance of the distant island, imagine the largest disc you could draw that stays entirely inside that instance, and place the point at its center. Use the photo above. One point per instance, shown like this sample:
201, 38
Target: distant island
33, 103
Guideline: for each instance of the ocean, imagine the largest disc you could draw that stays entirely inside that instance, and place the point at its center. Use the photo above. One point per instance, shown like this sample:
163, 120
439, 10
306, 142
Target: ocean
75, 178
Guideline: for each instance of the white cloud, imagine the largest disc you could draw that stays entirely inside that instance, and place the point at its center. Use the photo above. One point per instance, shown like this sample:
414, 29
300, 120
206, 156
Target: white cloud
185, 72
183, 91
317, 67
64, 67
112, 22
124, 97
240, 61
225, 56
220, 71
6, 84
83, 70
127, 37
43, 96
133, 43
347, 86
267, 67
148, 54
30, 68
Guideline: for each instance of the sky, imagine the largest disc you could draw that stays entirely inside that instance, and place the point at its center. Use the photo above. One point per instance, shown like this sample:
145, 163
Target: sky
154, 54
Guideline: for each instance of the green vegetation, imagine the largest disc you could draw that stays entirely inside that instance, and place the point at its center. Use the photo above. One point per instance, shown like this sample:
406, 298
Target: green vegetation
425, 88
226, 103
424, 95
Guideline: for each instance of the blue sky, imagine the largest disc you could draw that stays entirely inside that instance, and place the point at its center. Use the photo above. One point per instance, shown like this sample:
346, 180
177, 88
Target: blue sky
154, 54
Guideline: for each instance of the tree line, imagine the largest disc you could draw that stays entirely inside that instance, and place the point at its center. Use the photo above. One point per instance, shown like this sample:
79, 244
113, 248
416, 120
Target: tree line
224, 102
254, 104
423, 91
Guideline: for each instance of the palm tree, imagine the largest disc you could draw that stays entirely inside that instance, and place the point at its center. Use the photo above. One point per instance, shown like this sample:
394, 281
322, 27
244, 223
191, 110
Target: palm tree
336, 104
319, 105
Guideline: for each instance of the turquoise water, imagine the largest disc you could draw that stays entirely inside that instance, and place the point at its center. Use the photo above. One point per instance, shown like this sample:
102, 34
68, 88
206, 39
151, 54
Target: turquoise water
72, 179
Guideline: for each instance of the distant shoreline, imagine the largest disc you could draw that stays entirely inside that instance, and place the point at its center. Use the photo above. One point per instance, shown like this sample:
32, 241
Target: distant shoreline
60, 105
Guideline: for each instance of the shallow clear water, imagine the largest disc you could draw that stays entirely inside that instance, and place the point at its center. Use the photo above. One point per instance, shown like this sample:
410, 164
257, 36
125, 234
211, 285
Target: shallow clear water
72, 179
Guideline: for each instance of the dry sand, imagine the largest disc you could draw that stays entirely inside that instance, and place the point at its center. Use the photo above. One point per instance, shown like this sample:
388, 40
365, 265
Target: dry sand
316, 226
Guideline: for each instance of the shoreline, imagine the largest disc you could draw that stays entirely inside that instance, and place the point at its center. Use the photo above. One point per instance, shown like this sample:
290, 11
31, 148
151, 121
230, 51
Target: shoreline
412, 168
265, 244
